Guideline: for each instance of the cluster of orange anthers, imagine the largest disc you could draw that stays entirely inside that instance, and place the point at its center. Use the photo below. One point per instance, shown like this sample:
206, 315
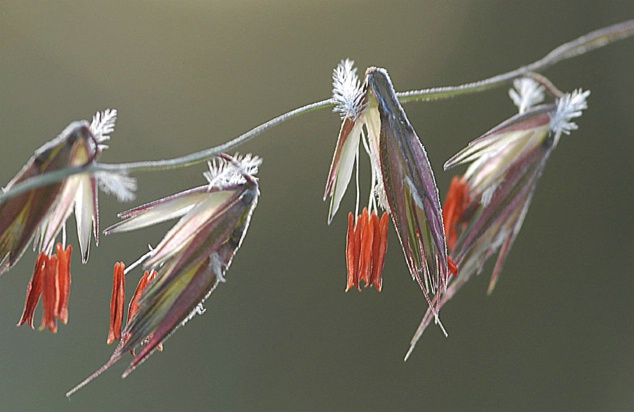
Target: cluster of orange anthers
117, 302
366, 245
453, 211
51, 281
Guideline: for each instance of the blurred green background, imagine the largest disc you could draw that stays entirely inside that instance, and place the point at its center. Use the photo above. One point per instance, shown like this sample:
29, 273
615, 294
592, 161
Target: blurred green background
281, 334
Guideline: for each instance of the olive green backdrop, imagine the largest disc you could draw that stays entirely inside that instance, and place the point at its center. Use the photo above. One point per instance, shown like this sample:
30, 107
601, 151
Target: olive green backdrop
281, 334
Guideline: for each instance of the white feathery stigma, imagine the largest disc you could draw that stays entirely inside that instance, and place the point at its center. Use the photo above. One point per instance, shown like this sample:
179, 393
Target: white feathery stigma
347, 90
526, 93
102, 125
568, 108
118, 184
224, 172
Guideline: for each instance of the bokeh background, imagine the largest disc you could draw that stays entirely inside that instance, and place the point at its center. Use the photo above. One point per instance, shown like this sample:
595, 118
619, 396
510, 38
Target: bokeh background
281, 334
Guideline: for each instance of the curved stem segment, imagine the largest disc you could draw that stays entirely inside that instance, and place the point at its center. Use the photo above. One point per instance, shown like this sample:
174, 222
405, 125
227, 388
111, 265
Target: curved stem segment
581, 45
577, 47
147, 166
207, 154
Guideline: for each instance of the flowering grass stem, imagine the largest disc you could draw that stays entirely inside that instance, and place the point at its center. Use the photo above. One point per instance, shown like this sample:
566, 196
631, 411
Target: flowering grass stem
579, 46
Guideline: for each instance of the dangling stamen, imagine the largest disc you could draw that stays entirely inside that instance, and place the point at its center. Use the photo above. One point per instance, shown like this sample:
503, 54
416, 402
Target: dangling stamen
63, 282
34, 291
379, 249
453, 268
147, 277
50, 295
453, 209
117, 303
133, 308
366, 245
353, 247
366, 236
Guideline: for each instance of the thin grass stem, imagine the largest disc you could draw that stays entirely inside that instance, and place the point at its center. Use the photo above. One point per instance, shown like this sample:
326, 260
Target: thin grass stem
577, 47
